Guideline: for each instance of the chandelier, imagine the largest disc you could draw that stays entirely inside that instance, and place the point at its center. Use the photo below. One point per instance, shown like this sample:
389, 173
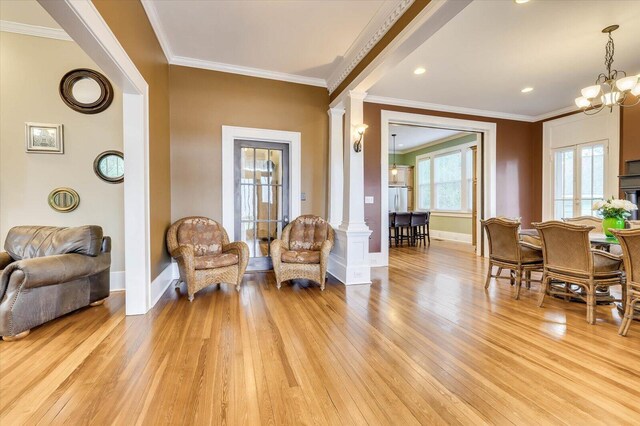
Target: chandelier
394, 169
612, 88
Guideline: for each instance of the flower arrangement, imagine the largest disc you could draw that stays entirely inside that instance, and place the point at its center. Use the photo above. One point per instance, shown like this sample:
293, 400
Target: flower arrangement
614, 208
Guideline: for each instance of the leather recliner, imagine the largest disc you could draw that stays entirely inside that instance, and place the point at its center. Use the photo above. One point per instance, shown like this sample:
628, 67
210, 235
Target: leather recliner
47, 272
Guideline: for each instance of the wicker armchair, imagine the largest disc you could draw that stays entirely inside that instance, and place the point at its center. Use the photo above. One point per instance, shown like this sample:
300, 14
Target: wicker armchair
630, 242
303, 250
569, 258
586, 220
204, 255
506, 251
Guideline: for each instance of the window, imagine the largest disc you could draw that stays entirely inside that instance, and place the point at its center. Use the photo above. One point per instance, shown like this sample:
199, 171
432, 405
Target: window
444, 180
448, 181
579, 179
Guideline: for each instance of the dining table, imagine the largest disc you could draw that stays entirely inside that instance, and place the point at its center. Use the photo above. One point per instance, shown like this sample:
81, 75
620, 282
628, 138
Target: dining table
603, 242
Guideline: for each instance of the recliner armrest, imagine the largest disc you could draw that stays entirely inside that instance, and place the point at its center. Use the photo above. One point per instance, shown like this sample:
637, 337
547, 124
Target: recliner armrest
50, 270
5, 260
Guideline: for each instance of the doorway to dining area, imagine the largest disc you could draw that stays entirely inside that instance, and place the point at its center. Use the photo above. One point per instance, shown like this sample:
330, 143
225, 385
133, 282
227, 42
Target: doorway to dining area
432, 184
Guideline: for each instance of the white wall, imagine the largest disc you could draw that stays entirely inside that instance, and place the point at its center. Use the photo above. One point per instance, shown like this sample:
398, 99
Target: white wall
30, 72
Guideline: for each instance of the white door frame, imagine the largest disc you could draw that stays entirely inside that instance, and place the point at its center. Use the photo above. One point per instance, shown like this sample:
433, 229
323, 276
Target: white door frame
488, 145
602, 126
229, 135
82, 21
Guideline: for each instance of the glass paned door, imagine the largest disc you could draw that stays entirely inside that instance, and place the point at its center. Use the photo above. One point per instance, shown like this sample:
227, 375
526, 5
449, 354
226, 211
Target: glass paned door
579, 179
262, 197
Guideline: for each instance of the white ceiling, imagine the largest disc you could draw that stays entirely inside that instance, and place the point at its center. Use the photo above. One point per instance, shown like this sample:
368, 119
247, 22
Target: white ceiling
26, 12
485, 55
306, 38
409, 138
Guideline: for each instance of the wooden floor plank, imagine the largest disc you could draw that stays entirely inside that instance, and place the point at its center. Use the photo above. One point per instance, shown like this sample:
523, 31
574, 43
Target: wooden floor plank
424, 344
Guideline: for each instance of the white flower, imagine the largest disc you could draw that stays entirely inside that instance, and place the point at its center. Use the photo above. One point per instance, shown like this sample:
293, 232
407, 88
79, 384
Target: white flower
629, 206
598, 205
619, 204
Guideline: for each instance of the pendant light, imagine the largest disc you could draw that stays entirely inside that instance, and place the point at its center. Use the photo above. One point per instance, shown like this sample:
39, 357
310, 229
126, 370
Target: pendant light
394, 169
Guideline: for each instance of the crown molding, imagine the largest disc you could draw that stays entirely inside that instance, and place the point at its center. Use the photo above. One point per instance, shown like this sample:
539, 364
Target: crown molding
458, 135
34, 30
555, 113
448, 108
354, 56
252, 72
154, 20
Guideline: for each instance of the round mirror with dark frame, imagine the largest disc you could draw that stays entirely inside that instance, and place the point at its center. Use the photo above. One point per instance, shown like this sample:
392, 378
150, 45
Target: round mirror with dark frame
86, 91
109, 166
64, 200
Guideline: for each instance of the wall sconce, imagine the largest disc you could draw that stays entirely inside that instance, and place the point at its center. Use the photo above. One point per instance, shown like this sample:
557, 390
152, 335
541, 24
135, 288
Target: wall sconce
357, 145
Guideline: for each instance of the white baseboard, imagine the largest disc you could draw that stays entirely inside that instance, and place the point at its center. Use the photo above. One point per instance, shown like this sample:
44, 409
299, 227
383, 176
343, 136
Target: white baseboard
162, 282
377, 260
451, 236
116, 281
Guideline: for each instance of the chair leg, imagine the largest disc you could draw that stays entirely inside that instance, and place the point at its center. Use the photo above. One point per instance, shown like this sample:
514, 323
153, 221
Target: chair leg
520, 273
628, 316
543, 289
499, 271
98, 302
16, 337
488, 281
591, 304
527, 277
512, 274
428, 234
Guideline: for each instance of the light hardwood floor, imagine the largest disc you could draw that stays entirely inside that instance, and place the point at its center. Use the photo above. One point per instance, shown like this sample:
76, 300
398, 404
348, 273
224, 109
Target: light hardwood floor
425, 344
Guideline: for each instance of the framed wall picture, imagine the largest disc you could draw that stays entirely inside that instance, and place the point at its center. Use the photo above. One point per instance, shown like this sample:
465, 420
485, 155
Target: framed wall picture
44, 138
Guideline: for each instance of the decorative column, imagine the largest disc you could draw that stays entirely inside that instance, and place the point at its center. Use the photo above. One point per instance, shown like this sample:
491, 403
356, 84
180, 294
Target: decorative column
349, 260
336, 166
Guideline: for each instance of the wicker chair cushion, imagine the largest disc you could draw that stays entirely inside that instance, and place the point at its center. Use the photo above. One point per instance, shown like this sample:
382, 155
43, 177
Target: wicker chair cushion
308, 233
605, 266
214, 261
530, 255
204, 235
301, 256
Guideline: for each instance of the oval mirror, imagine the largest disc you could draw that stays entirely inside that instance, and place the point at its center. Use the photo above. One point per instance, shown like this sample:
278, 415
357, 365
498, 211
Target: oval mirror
86, 91
64, 200
109, 166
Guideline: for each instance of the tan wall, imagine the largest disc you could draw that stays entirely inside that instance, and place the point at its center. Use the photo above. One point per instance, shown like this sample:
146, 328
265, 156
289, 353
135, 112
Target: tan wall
29, 77
128, 21
203, 101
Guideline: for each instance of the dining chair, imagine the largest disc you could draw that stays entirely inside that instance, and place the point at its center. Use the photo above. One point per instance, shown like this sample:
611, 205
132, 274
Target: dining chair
630, 242
419, 223
569, 258
392, 227
586, 220
633, 224
403, 228
506, 251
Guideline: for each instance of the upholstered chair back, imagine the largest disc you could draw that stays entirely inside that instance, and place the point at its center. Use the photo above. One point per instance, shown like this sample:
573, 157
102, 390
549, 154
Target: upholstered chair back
205, 235
502, 235
586, 220
403, 219
307, 232
26, 242
566, 247
419, 218
630, 242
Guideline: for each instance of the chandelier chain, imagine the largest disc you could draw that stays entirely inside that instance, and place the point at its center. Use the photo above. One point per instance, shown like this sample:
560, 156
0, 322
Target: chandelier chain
609, 51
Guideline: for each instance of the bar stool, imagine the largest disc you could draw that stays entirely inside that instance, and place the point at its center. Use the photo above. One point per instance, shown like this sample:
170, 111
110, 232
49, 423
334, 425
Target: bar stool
403, 228
419, 227
392, 227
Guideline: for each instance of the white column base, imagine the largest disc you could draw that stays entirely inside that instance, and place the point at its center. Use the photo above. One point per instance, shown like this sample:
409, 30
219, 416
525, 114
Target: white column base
349, 259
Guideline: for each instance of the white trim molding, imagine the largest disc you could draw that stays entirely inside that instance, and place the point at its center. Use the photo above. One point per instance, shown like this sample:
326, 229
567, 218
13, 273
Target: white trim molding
34, 30
354, 56
229, 135
163, 281
252, 72
486, 144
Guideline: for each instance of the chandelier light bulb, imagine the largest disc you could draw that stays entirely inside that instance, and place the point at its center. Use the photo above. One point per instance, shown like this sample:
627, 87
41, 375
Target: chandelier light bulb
394, 170
610, 98
627, 83
636, 91
583, 102
591, 92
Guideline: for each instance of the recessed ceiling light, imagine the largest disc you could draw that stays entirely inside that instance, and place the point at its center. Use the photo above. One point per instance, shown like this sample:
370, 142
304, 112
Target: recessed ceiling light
419, 71
521, 1
527, 90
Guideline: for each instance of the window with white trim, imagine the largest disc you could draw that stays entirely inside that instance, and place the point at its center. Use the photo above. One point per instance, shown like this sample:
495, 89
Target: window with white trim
444, 180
